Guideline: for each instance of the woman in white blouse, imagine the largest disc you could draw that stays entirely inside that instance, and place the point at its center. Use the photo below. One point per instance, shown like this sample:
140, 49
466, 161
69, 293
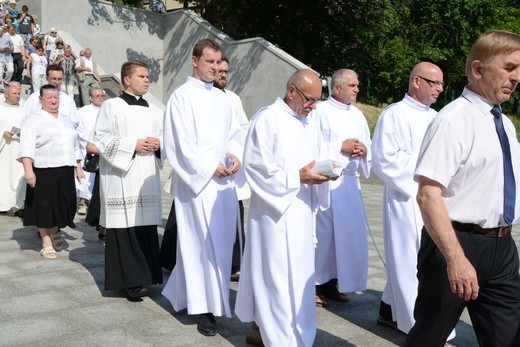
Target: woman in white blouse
49, 152
36, 68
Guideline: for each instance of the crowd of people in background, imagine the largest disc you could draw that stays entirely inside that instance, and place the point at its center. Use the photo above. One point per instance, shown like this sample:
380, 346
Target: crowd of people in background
306, 241
24, 47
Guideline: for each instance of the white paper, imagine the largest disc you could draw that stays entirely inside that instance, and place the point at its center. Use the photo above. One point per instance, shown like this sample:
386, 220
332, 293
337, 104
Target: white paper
328, 167
82, 185
15, 130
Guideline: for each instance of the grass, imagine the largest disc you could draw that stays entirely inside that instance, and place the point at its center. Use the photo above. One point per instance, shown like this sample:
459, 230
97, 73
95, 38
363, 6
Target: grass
372, 113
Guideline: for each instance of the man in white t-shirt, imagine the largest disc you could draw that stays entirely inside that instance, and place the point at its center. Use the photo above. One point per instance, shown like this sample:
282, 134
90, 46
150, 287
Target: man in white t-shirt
18, 53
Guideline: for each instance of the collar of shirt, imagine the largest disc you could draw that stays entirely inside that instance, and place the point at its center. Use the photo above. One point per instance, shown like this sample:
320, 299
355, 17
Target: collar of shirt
133, 100
279, 101
480, 102
199, 83
415, 104
338, 104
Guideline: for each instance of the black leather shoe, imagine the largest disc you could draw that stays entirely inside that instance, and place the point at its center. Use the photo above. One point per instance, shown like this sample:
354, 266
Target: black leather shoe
385, 316
253, 336
136, 293
207, 325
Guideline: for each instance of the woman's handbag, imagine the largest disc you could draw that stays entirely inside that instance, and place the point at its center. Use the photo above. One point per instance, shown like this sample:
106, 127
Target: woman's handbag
91, 163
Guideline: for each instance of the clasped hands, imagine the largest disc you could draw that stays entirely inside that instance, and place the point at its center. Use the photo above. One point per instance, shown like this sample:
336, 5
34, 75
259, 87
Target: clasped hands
224, 170
147, 145
354, 148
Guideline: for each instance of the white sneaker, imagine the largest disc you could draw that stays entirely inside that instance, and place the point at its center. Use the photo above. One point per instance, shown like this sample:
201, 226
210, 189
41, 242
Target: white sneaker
82, 207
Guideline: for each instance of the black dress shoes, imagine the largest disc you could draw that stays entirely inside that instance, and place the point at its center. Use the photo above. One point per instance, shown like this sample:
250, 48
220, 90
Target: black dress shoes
385, 316
207, 325
136, 293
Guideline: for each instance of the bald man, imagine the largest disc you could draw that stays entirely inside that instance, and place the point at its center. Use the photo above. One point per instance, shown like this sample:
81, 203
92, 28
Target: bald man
395, 146
276, 288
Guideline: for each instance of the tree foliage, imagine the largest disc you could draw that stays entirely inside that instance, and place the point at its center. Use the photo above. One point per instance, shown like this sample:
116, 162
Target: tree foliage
381, 39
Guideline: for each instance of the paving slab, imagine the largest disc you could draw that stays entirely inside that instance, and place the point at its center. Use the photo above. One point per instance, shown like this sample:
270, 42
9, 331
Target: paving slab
62, 302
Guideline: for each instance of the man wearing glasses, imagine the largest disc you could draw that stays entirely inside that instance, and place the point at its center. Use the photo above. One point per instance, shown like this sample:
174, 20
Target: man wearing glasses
468, 170
276, 288
342, 250
396, 142
87, 116
54, 75
243, 193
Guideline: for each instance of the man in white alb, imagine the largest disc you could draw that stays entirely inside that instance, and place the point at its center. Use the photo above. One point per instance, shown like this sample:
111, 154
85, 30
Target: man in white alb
395, 147
342, 250
12, 185
243, 193
276, 288
87, 116
203, 144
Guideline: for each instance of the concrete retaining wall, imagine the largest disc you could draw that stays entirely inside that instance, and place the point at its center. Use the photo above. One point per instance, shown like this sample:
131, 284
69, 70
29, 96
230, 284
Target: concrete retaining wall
259, 70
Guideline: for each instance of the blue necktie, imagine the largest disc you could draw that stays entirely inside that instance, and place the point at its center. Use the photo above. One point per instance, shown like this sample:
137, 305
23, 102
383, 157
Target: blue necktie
509, 177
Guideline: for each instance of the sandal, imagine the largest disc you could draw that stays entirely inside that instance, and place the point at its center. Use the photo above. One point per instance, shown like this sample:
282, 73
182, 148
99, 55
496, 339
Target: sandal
320, 301
57, 241
48, 253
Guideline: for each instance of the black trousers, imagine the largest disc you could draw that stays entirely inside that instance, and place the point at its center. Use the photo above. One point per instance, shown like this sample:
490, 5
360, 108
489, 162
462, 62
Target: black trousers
235, 260
495, 314
18, 66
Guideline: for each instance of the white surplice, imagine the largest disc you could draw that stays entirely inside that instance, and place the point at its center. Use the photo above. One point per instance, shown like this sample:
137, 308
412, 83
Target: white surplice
395, 146
276, 287
12, 185
199, 128
130, 187
342, 250
87, 117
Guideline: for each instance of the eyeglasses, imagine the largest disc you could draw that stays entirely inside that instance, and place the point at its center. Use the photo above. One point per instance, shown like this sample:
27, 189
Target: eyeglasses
309, 101
431, 82
54, 32
223, 72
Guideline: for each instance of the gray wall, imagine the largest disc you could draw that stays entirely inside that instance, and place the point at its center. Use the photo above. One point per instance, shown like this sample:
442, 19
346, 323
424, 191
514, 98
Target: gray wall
259, 70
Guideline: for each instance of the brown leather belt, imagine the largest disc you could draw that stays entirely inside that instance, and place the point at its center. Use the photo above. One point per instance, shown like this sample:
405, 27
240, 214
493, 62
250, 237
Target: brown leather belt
477, 229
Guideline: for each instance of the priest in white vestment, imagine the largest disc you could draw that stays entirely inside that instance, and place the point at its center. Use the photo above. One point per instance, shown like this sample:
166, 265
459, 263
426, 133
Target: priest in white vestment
243, 193
12, 187
276, 288
87, 116
54, 76
396, 143
342, 250
203, 145
128, 135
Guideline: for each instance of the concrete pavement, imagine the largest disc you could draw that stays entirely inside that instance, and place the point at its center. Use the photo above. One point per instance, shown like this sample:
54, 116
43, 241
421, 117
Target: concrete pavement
62, 302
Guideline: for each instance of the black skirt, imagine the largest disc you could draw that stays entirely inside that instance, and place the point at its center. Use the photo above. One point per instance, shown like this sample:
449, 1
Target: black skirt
52, 202
132, 257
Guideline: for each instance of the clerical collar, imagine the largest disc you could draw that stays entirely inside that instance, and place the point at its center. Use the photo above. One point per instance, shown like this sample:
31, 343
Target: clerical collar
338, 104
133, 100
415, 104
